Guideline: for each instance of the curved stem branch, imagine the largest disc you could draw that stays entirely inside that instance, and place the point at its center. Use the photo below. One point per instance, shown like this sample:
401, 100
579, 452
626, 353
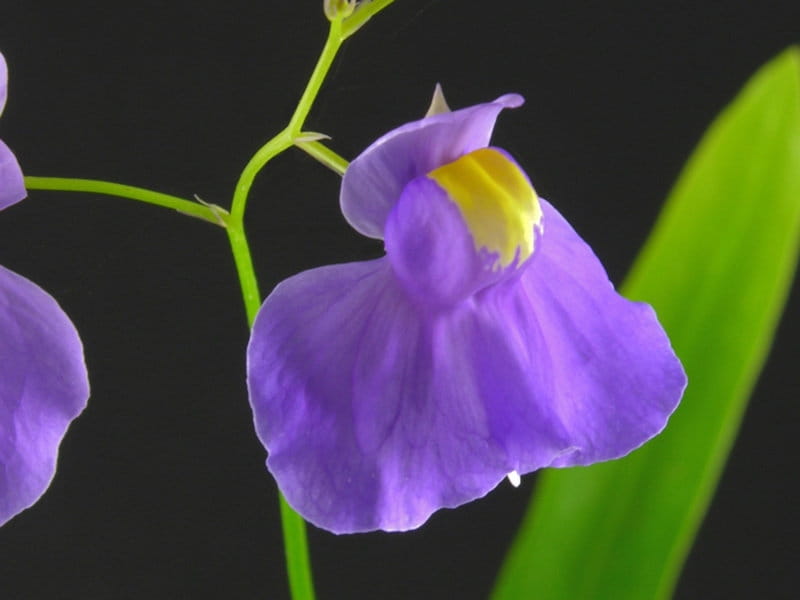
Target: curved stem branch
207, 212
324, 62
267, 152
295, 542
294, 527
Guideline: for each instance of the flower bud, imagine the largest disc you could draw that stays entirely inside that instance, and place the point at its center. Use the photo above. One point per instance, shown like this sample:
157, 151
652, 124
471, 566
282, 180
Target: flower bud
335, 9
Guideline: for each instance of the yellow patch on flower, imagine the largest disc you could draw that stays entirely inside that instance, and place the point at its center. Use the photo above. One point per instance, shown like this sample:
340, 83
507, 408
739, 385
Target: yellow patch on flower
496, 200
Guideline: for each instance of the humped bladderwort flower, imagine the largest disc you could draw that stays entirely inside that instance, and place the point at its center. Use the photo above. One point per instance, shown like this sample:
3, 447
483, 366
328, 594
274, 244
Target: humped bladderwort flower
487, 343
43, 380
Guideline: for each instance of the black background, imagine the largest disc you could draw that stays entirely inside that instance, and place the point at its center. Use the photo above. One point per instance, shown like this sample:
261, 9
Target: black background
161, 490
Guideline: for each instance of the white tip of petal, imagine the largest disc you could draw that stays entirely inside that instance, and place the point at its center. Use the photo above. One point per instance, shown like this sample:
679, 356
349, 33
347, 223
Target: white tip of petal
514, 478
438, 103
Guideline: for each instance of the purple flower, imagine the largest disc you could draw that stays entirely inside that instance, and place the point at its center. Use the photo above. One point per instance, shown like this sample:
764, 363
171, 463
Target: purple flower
43, 380
487, 343
12, 186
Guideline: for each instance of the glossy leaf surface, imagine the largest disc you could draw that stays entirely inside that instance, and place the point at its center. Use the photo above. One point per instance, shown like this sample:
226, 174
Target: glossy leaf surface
717, 268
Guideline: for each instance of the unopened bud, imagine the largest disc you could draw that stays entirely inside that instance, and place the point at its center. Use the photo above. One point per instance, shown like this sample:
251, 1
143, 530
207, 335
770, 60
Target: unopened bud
335, 9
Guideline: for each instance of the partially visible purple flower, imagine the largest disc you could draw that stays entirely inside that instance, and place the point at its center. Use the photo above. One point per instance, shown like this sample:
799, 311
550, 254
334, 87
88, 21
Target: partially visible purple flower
43, 380
487, 343
12, 186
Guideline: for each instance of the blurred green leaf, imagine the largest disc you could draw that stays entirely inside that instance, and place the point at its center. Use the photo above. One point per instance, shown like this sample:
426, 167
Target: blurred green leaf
717, 268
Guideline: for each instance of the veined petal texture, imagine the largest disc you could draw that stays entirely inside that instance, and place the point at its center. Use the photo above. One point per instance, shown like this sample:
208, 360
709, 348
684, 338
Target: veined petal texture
376, 413
386, 390
374, 417
43, 387
43, 379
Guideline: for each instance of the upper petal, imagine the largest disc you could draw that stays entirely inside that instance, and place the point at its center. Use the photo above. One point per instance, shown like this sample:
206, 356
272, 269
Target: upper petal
12, 183
43, 387
374, 180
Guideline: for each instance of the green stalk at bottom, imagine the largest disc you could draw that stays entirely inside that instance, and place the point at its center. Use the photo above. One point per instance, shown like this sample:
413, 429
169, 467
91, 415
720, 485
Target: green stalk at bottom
295, 544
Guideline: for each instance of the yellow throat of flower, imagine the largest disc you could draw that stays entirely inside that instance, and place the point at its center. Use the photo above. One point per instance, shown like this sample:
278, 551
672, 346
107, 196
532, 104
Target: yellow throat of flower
496, 200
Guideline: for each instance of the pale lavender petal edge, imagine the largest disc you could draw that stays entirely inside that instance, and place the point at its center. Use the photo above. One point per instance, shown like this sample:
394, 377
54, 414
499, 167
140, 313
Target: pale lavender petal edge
43, 387
12, 182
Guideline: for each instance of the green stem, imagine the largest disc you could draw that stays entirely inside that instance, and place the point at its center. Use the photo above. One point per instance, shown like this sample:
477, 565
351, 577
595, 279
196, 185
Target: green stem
267, 152
298, 563
283, 140
245, 271
207, 212
295, 545
294, 527
325, 155
329, 50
